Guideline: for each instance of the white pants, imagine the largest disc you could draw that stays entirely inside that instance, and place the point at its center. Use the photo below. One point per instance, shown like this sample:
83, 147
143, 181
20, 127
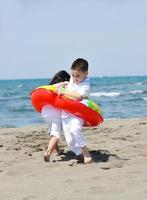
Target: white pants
52, 116
72, 127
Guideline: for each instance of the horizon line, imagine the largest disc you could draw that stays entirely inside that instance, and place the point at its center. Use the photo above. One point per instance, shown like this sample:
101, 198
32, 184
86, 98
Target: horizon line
100, 76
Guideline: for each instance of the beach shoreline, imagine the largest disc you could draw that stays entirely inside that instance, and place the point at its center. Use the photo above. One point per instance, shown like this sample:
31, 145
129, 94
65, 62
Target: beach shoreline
118, 170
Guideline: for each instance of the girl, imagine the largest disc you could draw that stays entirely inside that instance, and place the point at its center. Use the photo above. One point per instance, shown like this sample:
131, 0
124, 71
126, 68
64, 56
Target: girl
52, 117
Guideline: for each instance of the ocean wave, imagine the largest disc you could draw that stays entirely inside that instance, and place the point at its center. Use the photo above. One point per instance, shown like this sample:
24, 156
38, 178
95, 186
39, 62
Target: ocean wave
21, 109
136, 99
138, 83
137, 92
145, 98
106, 94
12, 98
20, 85
7, 126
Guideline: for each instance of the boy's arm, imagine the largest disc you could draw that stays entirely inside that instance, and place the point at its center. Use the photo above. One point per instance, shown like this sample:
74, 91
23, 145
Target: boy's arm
73, 95
81, 94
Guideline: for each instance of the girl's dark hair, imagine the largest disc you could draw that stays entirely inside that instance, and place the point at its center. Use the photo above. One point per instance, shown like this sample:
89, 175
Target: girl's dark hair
60, 76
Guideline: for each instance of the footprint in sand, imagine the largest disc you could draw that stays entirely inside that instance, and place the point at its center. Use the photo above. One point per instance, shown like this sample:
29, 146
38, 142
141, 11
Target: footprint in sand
138, 133
113, 164
31, 197
17, 148
142, 123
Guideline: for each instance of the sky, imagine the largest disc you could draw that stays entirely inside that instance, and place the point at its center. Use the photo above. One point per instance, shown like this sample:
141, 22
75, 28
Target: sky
40, 37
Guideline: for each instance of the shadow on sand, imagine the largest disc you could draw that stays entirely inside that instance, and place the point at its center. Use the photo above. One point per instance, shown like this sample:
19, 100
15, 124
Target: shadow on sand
97, 156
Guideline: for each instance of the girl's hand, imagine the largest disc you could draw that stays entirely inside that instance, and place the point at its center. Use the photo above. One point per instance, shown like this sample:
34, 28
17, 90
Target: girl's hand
60, 90
62, 84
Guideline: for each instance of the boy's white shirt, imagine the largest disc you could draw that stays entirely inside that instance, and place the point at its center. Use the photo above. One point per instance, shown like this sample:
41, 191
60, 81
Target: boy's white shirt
83, 88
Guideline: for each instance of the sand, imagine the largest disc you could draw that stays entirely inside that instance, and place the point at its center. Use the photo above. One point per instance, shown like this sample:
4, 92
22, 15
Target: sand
118, 170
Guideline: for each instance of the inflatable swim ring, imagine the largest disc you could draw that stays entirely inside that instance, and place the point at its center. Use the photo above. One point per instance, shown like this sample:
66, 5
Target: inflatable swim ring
86, 109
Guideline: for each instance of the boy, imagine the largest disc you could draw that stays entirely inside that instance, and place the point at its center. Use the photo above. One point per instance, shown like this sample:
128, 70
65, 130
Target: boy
78, 88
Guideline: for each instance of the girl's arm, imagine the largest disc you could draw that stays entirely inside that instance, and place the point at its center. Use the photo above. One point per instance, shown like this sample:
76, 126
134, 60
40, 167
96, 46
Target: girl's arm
62, 84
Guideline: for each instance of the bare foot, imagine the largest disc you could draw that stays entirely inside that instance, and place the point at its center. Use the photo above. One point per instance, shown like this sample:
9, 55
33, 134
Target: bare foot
87, 160
46, 157
86, 155
60, 152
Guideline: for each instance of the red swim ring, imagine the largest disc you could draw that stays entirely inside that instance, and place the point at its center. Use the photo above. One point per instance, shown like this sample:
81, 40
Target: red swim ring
41, 97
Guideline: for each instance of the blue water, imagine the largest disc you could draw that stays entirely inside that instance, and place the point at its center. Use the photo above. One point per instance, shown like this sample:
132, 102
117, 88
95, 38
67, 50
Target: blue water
119, 97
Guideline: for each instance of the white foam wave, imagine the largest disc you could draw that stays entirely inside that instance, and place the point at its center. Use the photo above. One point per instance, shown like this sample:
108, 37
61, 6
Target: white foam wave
136, 92
20, 85
145, 98
138, 83
107, 94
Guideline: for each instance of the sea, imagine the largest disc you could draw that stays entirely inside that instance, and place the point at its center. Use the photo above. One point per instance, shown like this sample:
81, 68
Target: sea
118, 97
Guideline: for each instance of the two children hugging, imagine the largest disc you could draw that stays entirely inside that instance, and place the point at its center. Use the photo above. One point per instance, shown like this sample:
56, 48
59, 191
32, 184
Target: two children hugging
77, 88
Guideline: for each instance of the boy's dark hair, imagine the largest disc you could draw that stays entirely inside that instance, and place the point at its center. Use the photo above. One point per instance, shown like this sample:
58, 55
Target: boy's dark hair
60, 76
80, 64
